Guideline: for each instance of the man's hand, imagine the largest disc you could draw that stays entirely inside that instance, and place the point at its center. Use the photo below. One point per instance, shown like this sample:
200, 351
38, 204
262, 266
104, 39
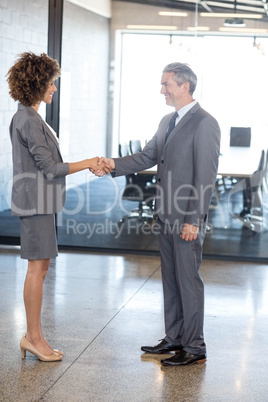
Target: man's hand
189, 232
104, 166
109, 162
96, 165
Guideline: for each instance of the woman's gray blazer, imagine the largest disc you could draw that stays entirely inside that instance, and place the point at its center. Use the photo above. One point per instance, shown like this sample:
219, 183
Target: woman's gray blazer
38, 170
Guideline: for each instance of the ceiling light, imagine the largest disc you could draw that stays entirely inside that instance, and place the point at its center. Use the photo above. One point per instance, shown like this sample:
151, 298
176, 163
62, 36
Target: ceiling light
162, 27
231, 15
189, 1
198, 29
173, 14
244, 30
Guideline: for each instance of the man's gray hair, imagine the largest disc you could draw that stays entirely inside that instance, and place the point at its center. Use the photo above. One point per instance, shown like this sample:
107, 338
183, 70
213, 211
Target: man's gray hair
182, 73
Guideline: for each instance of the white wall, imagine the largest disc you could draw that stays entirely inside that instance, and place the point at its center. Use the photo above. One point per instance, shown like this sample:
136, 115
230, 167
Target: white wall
23, 28
84, 85
101, 7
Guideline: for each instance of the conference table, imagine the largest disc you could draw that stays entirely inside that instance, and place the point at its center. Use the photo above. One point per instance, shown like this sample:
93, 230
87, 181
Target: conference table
240, 162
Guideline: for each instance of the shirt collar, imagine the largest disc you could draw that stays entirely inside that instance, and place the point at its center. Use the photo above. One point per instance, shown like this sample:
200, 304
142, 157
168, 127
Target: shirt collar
186, 108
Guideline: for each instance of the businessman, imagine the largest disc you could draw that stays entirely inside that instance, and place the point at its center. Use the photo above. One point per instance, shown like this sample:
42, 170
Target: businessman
185, 149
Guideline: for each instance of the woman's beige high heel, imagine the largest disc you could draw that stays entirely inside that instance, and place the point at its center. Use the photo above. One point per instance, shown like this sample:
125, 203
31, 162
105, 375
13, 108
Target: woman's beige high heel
26, 345
58, 352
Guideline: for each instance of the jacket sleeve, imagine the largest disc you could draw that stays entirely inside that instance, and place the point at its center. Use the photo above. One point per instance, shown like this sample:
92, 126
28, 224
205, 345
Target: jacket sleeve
37, 142
206, 154
139, 161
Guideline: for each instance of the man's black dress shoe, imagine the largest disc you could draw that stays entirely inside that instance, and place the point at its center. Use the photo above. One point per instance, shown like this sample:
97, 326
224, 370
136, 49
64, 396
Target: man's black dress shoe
184, 358
162, 347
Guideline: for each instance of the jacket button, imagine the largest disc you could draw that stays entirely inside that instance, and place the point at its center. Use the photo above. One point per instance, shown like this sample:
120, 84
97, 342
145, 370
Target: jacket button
159, 179
162, 161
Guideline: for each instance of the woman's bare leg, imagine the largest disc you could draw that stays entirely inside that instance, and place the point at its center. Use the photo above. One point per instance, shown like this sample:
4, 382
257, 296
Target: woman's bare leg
33, 297
46, 342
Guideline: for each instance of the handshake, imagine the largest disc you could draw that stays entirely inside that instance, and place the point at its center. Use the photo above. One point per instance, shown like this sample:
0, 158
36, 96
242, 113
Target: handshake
101, 166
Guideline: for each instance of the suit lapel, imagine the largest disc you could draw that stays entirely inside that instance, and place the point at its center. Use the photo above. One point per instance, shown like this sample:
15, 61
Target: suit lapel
50, 134
182, 122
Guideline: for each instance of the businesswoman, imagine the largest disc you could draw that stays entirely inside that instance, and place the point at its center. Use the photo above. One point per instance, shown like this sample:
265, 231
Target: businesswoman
38, 191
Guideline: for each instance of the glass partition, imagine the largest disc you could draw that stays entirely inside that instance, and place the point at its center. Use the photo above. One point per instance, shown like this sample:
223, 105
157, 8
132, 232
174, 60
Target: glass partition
83, 115
94, 215
226, 90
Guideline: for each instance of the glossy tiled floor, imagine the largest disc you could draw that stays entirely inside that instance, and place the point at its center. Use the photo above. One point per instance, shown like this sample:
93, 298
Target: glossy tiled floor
101, 308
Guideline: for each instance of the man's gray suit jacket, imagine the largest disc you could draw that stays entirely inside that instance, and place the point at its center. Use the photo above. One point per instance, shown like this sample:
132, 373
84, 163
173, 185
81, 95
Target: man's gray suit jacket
38, 170
186, 166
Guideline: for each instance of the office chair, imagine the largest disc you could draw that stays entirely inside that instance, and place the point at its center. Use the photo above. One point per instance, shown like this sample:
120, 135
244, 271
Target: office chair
265, 173
145, 179
254, 186
252, 189
123, 149
240, 136
135, 146
136, 189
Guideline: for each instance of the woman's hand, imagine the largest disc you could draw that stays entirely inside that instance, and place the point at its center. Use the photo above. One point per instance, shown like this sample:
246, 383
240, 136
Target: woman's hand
99, 165
103, 165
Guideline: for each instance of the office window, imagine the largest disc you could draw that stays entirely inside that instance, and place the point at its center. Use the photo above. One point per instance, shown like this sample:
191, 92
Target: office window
230, 80
231, 86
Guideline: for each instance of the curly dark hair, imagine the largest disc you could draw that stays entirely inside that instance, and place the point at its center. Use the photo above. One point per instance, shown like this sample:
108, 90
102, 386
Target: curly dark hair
29, 77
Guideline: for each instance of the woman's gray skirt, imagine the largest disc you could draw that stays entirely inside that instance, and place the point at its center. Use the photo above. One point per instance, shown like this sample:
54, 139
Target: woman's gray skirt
38, 237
